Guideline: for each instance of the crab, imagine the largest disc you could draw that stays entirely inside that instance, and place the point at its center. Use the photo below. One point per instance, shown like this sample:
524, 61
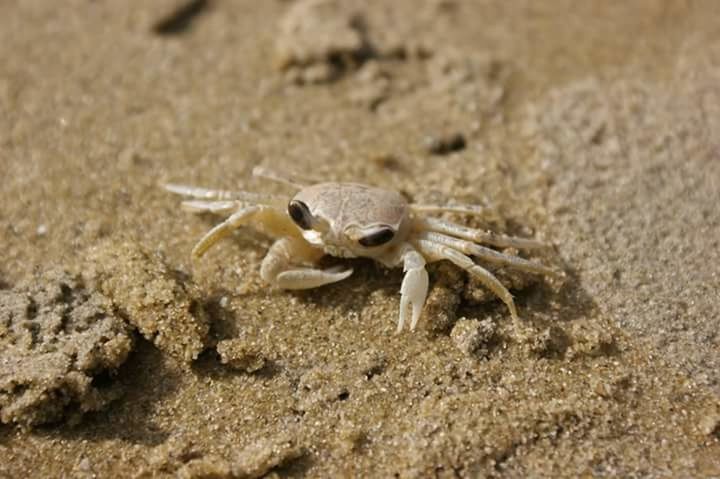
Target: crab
353, 220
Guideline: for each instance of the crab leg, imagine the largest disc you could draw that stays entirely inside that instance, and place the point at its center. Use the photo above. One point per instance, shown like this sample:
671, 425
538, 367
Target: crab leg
436, 252
207, 194
266, 218
215, 207
277, 267
224, 229
487, 254
487, 237
200, 193
474, 210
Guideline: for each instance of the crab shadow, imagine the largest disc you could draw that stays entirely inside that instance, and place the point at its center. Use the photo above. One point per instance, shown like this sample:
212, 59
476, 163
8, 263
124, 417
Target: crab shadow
225, 324
146, 379
353, 294
553, 318
223, 321
209, 365
545, 303
562, 317
5, 432
368, 276
542, 304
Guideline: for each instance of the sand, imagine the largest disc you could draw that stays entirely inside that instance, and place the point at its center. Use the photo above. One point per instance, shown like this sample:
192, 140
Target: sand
592, 127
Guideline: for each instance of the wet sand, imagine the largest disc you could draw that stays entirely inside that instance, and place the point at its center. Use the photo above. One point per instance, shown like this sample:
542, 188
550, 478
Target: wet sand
595, 128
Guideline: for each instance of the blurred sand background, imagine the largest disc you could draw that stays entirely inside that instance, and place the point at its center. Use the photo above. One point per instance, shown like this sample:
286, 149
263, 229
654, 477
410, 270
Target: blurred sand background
594, 126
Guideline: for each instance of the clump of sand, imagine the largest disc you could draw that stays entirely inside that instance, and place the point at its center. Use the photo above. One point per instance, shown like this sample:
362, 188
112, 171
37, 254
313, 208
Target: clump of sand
59, 345
62, 335
158, 301
319, 39
259, 459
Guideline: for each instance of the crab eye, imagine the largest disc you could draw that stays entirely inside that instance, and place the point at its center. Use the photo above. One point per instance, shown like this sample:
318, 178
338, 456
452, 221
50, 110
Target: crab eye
300, 214
378, 237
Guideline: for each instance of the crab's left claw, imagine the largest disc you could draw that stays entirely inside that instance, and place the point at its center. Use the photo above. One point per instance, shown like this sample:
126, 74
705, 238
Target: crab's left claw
414, 288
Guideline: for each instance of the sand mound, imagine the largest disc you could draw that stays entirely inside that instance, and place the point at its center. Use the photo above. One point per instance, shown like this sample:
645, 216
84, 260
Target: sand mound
59, 344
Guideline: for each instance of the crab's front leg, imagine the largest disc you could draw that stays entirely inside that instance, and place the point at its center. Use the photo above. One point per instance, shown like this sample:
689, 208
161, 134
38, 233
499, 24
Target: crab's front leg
265, 218
414, 287
280, 266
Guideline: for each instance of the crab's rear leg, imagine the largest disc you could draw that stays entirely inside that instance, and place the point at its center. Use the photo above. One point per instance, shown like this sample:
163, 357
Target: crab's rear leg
280, 266
436, 252
473, 210
472, 249
478, 236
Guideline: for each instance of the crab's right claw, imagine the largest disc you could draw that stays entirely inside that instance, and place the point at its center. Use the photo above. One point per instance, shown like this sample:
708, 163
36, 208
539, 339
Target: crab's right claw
308, 278
412, 294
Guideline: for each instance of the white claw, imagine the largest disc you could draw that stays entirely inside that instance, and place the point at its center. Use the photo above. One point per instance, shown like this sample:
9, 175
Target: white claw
413, 292
307, 278
340, 269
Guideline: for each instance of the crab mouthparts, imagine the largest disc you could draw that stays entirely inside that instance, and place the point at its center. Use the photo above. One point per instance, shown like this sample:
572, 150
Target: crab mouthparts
313, 237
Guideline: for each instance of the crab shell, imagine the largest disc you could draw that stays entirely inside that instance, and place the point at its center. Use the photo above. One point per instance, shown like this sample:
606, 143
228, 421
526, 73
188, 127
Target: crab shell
344, 213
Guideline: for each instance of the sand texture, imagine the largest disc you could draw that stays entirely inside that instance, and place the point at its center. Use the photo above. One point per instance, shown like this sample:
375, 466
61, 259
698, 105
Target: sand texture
591, 126
58, 339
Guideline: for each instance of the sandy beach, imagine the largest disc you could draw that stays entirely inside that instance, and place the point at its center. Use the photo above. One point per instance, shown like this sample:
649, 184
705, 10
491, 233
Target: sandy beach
593, 127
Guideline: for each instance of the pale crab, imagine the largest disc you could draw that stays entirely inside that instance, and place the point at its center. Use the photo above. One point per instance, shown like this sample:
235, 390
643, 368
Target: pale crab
351, 220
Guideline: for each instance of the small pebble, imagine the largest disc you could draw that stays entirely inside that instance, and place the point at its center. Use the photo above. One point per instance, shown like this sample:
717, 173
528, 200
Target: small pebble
445, 144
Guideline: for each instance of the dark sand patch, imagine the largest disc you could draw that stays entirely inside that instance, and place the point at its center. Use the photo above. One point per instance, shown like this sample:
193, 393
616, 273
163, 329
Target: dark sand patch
319, 41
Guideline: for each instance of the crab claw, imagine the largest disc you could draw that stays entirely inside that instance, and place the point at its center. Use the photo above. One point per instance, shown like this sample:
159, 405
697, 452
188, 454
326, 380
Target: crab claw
412, 293
307, 278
